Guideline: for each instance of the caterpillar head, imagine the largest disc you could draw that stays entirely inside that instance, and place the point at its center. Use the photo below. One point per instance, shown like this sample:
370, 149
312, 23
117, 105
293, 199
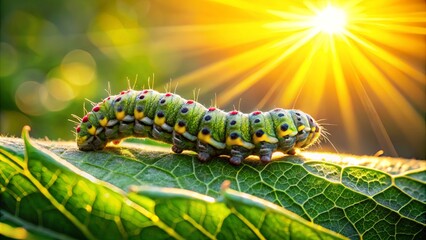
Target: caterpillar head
89, 137
303, 128
315, 132
308, 130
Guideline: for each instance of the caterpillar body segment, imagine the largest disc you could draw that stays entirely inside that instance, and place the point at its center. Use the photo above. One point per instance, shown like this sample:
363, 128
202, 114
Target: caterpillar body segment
188, 125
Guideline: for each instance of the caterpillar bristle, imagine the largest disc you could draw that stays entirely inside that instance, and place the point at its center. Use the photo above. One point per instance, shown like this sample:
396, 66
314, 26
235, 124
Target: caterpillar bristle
108, 90
196, 94
176, 85
166, 88
73, 121
84, 108
73, 133
322, 121
213, 102
324, 136
91, 102
76, 117
151, 82
134, 84
239, 104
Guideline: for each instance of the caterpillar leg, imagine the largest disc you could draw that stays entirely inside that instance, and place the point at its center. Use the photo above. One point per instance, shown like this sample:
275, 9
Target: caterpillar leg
238, 154
287, 144
93, 143
142, 130
266, 150
206, 151
292, 152
176, 149
177, 143
112, 132
180, 143
159, 134
125, 128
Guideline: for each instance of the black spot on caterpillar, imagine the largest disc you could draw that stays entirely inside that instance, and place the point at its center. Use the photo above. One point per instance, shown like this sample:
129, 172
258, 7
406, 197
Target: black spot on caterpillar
188, 125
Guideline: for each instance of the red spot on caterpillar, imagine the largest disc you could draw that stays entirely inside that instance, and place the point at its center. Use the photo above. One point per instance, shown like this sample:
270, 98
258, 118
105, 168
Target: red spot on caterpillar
96, 108
277, 109
257, 113
189, 102
78, 128
85, 119
211, 109
108, 98
122, 92
233, 112
145, 92
116, 142
168, 94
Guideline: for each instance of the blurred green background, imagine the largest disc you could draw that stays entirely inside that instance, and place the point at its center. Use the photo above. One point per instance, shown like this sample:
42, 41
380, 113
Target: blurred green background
55, 54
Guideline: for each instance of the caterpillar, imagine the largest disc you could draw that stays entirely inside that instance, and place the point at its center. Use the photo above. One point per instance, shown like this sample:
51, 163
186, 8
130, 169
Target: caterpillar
188, 125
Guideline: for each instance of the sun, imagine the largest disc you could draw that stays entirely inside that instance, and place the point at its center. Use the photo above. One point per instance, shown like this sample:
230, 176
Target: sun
357, 64
331, 20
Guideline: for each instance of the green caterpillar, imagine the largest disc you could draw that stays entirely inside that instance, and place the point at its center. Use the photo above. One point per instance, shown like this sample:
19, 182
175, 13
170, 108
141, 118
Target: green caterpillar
188, 125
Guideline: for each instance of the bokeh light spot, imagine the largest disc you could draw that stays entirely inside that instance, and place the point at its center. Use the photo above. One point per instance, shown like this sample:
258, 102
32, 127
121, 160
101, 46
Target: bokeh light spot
59, 94
8, 59
78, 67
28, 98
59, 89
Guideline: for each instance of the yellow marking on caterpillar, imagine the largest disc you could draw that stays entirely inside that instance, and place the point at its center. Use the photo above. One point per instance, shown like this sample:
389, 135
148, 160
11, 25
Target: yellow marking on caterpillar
159, 121
120, 115
81, 140
285, 133
313, 129
234, 142
179, 129
238, 142
264, 138
138, 115
103, 122
300, 128
206, 138
91, 130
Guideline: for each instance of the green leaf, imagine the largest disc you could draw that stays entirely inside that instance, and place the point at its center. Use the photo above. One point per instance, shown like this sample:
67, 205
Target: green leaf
41, 189
356, 201
358, 197
14, 227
